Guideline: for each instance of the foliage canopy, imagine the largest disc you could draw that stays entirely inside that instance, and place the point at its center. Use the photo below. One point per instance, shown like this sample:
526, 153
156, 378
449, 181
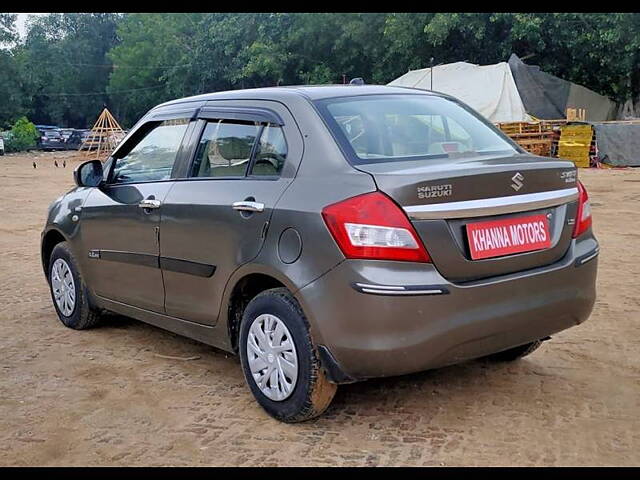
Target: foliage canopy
70, 65
23, 136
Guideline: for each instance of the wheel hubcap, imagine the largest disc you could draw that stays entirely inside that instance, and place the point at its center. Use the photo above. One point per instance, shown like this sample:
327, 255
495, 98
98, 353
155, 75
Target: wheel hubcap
272, 357
63, 286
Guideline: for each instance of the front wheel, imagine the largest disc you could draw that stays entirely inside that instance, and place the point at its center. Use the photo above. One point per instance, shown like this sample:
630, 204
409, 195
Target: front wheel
279, 361
68, 291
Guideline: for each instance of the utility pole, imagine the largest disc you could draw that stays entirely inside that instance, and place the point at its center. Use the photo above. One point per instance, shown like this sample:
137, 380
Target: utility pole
431, 75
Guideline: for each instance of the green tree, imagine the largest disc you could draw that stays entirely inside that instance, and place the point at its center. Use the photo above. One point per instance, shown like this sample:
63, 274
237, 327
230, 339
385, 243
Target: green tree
149, 62
23, 136
70, 65
597, 50
8, 33
65, 67
11, 93
406, 46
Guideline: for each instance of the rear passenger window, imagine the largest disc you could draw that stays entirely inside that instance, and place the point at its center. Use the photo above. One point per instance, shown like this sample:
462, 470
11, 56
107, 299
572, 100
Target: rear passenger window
271, 152
225, 149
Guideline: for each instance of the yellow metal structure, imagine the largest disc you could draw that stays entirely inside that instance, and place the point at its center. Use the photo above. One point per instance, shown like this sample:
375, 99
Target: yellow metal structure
575, 144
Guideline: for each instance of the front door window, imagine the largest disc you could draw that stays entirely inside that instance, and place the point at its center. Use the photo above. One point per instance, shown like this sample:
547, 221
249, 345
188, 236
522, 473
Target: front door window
152, 158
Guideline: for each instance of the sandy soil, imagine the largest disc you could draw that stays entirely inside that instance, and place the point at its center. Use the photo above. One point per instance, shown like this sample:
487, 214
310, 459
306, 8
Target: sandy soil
105, 397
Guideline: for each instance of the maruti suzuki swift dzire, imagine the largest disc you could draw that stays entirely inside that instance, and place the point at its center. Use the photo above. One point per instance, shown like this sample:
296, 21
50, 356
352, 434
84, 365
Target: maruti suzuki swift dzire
326, 235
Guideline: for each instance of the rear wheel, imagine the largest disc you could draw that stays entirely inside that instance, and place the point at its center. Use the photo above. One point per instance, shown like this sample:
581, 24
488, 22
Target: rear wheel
516, 352
279, 361
68, 290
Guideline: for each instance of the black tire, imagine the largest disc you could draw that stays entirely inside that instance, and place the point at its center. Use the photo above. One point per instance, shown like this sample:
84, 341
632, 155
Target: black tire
313, 392
83, 315
516, 352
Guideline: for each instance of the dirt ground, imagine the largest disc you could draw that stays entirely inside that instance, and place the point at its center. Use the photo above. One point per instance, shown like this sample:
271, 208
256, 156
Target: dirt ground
107, 397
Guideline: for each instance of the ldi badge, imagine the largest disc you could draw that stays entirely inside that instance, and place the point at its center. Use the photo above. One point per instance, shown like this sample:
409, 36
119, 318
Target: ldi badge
434, 191
569, 176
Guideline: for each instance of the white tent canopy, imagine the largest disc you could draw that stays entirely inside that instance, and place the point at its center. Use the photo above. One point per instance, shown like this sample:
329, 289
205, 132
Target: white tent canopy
488, 89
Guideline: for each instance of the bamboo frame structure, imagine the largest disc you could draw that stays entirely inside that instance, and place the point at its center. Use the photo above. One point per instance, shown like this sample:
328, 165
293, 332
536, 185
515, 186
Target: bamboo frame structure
105, 135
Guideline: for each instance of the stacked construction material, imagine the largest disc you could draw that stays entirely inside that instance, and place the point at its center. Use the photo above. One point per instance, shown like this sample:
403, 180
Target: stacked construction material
577, 143
535, 137
587, 144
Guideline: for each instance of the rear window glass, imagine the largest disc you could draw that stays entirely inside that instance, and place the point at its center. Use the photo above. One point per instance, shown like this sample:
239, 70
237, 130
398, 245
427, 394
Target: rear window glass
383, 128
225, 149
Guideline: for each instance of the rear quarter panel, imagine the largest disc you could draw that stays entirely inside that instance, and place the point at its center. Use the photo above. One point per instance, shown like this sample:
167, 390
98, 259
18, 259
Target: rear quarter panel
323, 177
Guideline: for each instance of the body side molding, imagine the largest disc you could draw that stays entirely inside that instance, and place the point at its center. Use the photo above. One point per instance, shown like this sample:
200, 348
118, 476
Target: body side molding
147, 260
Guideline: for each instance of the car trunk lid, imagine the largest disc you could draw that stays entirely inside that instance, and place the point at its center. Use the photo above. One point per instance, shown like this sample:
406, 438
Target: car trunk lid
443, 196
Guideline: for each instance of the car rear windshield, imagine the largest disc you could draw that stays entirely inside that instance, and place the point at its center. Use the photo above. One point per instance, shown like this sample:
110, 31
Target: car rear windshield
397, 127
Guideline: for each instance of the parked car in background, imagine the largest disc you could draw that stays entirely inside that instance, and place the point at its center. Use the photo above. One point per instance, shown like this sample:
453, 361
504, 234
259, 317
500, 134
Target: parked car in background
76, 139
45, 128
6, 139
42, 128
326, 235
66, 133
51, 140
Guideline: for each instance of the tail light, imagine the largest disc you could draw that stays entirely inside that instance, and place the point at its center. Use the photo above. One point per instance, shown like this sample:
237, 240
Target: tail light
583, 216
372, 226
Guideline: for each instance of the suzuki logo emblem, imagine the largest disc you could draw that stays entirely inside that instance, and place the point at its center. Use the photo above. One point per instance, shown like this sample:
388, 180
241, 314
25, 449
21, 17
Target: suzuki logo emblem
517, 181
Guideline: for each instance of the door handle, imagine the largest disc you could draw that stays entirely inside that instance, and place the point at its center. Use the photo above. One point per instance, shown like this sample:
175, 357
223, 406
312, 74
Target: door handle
248, 206
147, 203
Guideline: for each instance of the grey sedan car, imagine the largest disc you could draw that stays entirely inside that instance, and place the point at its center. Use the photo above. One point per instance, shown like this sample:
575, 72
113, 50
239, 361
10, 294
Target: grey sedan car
326, 235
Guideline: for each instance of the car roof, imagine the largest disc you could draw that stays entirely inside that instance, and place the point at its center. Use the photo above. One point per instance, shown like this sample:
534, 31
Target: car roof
311, 92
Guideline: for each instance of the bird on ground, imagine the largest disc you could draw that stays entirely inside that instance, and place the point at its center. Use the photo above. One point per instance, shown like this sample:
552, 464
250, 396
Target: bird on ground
64, 163
34, 165
55, 162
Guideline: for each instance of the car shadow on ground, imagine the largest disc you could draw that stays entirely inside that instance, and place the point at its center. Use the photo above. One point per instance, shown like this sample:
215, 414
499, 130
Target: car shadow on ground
446, 387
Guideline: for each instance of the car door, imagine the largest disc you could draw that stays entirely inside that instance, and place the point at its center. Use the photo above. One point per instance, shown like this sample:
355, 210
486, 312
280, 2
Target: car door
215, 219
121, 220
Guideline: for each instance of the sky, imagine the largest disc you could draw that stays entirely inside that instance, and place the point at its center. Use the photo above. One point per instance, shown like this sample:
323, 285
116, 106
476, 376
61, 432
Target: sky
21, 22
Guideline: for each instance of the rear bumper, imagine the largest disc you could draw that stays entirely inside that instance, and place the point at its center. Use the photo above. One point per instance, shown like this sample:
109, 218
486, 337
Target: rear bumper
377, 332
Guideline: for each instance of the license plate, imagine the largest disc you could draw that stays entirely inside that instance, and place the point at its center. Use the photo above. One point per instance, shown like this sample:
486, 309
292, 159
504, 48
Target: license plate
505, 237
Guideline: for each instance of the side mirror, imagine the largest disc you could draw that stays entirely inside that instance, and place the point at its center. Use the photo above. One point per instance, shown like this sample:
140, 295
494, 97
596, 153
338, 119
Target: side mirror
89, 174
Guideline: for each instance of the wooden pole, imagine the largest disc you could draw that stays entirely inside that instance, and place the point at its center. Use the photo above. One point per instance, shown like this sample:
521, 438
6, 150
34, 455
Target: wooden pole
103, 134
